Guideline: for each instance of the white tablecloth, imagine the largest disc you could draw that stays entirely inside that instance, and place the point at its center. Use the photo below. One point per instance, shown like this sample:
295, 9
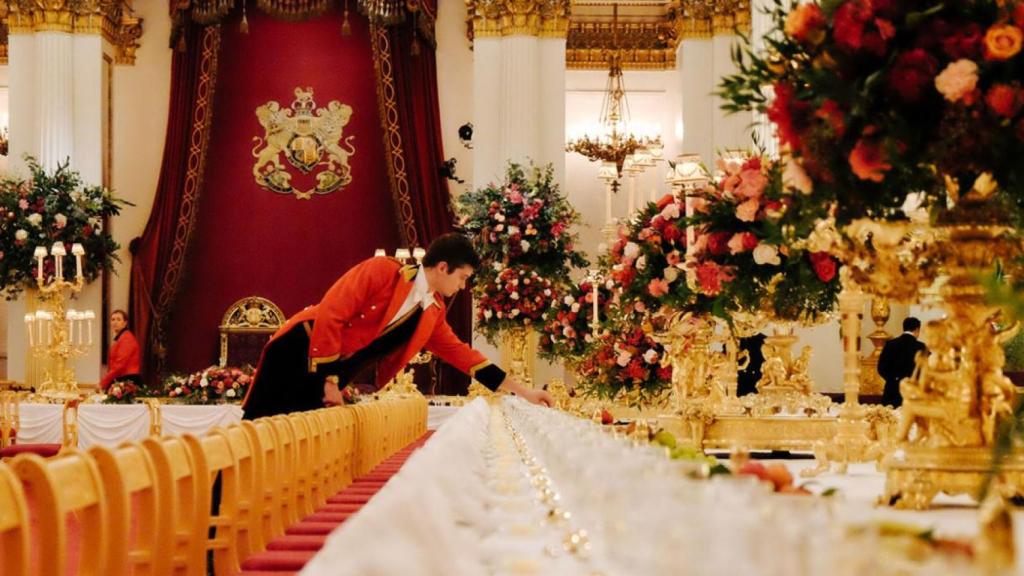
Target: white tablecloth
112, 424
437, 415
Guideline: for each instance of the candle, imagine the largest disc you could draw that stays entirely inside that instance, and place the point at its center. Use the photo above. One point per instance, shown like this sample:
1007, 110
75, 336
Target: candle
418, 253
380, 252
58, 253
89, 315
593, 281
632, 194
402, 254
78, 251
40, 254
29, 319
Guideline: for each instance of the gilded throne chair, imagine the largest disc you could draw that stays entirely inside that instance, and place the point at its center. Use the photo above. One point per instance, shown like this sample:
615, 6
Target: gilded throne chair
246, 327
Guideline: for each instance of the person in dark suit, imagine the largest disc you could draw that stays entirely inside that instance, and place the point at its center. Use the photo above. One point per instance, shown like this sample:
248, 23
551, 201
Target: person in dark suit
746, 380
897, 360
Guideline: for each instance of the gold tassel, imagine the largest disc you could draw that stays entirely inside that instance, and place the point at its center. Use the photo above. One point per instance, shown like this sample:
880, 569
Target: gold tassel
346, 29
244, 26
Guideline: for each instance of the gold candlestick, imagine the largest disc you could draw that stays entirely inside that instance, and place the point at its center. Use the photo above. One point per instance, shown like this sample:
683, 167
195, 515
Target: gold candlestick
58, 344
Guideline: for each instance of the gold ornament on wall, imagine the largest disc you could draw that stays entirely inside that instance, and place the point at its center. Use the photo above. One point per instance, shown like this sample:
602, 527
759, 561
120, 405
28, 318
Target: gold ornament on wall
308, 137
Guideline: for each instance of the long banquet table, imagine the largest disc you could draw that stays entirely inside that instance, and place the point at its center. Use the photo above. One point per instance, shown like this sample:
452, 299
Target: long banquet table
514, 489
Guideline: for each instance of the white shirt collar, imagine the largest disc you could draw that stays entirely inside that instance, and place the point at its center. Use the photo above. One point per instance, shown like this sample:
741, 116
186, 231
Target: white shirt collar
424, 295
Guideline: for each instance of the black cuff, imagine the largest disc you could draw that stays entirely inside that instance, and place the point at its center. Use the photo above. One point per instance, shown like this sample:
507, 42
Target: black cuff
490, 376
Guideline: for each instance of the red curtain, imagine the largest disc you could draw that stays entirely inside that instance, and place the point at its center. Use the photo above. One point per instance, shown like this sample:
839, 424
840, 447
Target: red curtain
250, 241
158, 256
408, 51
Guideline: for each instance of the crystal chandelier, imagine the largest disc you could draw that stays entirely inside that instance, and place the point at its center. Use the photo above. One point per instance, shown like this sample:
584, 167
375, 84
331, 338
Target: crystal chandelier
616, 143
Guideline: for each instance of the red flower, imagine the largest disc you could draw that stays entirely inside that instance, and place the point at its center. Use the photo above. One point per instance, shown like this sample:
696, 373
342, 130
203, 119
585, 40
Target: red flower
672, 233
718, 243
806, 24
833, 115
1004, 100
868, 160
665, 373
635, 370
824, 266
912, 74
788, 115
1018, 14
963, 42
849, 22
665, 201
710, 277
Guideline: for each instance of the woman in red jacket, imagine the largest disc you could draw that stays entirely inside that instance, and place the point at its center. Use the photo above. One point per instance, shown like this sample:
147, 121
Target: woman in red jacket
125, 359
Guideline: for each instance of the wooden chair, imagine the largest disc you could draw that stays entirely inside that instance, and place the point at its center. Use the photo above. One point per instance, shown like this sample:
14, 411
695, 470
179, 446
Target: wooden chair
134, 498
63, 488
249, 511
185, 490
14, 544
267, 461
213, 454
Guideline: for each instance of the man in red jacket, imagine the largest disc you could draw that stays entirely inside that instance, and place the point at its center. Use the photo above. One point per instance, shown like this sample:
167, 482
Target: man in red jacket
382, 312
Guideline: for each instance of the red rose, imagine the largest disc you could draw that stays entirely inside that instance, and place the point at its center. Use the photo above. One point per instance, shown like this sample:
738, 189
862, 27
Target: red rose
912, 74
718, 243
1004, 100
635, 370
749, 241
849, 22
868, 160
665, 373
963, 42
672, 233
824, 266
787, 113
833, 115
665, 201
658, 223
806, 24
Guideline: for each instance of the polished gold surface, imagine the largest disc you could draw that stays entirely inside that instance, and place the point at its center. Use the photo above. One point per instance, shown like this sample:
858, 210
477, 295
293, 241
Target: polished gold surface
517, 342
916, 474
115, 20
59, 377
871, 381
252, 314
495, 18
404, 384
644, 45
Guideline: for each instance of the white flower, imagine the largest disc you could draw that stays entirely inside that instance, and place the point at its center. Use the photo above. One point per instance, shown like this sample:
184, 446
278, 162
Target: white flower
575, 307
514, 295
568, 300
61, 220
547, 291
670, 212
499, 227
671, 274
631, 250
35, 219
609, 284
230, 393
497, 266
624, 358
203, 383
488, 314
513, 313
513, 230
21, 234
499, 217
75, 195
651, 356
515, 282
177, 390
641, 263
525, 245
795, 177
767, 254
588, 338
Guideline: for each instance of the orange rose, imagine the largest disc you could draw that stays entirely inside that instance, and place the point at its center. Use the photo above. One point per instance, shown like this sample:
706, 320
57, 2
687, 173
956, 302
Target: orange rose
868, 161
1002, 42
1004, 100
806, 23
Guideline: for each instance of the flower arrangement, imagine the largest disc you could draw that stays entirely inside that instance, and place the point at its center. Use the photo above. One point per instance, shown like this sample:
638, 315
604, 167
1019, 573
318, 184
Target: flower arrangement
121, 392
648, 262
567, 331
748, 255
524, 224
53, 207
626, 360
350, 395
210, 386
877, 98
513, 298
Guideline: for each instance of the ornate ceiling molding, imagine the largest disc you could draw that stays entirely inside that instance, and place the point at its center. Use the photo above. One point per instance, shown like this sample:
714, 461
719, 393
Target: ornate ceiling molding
708, 18
115, 20
642, 45
493, 18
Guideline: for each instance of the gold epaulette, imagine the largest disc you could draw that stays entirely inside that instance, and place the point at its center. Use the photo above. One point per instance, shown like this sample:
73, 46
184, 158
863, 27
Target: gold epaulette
408, 272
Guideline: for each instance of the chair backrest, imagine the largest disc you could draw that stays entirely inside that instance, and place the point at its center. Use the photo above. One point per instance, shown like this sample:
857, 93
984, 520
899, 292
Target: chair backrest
14, 524
303, 476
318, 461
133, 498
213, 453
8, 417
267, 460
286, 472
248, 534
67, 489
184, 488
245, 328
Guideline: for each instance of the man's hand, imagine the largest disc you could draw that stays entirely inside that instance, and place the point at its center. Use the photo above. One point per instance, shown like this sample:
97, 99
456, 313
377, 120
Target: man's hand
529, 394
332, 394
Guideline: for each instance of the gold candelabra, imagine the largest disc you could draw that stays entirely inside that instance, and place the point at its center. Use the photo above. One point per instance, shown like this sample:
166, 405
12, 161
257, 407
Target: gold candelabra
56, 332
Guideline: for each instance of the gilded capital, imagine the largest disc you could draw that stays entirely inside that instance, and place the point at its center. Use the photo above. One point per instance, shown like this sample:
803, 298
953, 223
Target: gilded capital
543, 18
707, 18
113, 19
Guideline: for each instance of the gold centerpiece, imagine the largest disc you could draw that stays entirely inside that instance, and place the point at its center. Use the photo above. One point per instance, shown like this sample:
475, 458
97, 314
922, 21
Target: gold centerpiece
56, 332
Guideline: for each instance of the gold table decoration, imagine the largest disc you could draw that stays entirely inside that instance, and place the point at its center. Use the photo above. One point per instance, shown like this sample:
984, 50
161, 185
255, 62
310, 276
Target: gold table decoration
517, 340
56, 331
871, 381
404, 384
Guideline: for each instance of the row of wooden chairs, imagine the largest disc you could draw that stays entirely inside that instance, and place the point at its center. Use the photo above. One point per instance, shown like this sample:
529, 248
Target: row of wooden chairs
145, 507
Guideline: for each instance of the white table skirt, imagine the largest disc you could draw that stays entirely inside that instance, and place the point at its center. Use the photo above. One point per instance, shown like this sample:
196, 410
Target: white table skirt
112, 424
437, 415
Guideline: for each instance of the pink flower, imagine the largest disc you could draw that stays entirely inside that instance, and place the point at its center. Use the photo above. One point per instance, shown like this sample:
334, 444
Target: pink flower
670, 212
657, 287
957, 80
794, 176
752, 184
23, 204
710, 277
742, 242
747, 211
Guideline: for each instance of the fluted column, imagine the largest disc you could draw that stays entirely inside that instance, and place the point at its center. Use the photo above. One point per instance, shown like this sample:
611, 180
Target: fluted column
54, 91
695, 66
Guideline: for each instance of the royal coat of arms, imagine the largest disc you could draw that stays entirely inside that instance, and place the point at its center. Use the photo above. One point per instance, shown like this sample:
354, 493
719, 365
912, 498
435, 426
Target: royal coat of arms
308, 137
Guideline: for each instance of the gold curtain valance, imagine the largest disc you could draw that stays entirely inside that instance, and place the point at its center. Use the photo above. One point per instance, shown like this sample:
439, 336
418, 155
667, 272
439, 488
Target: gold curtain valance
379, 12
115, 20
